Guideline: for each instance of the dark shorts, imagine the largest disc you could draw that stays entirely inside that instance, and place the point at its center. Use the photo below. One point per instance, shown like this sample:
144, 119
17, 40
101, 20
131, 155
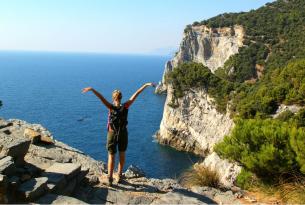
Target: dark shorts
121, 143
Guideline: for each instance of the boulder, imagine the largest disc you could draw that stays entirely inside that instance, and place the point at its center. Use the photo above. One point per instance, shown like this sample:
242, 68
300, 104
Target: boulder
183, 197
63, 177
4, 124
15, 147
112, 196
31, 134
7, 166
37, 137
134, 172
58, 199
47, 139
227, 171
69, 170
33, 189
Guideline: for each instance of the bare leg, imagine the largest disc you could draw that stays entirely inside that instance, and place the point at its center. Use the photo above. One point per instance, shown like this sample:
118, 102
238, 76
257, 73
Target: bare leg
121, 163
111, 159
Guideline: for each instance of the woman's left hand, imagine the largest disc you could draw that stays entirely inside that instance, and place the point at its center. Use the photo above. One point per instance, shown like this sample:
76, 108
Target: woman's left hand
87, 89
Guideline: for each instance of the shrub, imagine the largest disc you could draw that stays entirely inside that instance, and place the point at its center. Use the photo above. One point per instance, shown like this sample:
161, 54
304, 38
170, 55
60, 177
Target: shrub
262, 146
297, 141
200, 176
245, 179
299, 118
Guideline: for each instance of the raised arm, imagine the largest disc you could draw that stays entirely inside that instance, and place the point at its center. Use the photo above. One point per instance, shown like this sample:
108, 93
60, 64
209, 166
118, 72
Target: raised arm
99, 95
135, 95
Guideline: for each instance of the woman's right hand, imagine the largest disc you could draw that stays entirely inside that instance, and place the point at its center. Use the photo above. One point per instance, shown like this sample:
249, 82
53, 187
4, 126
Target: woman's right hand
87, 89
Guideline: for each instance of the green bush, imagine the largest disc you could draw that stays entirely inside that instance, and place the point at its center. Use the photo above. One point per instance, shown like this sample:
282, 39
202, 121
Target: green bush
299, 118
245, 179
297, 141
262, 146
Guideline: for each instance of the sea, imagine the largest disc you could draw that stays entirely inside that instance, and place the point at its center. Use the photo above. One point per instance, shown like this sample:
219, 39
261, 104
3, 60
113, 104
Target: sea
45, 88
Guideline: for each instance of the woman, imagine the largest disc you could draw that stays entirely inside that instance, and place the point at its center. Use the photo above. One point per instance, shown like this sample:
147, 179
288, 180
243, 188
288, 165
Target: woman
117, 135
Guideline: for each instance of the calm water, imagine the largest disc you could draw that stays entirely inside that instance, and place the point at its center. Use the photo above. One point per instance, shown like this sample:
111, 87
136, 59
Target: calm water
45, 88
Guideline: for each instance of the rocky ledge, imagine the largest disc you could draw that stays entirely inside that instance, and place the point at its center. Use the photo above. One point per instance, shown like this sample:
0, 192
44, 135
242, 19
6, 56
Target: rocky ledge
35, 168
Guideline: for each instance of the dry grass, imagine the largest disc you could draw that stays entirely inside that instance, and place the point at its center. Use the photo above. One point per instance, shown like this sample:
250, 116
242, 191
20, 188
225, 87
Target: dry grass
292, 189
289, 190
200, 176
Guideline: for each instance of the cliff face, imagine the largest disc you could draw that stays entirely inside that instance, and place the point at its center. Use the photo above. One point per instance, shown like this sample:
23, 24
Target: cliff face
211, 47
195, 125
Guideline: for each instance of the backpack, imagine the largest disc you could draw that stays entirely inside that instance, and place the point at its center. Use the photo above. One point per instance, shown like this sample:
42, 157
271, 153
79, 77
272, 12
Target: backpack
118, 118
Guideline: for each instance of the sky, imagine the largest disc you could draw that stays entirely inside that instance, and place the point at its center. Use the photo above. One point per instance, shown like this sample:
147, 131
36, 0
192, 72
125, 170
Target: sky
106, 26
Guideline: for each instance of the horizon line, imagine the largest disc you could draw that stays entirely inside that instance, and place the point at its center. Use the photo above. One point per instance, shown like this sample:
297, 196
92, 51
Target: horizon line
84, 52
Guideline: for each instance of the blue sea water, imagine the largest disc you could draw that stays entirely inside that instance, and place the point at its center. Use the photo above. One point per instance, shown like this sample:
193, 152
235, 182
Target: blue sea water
45, 88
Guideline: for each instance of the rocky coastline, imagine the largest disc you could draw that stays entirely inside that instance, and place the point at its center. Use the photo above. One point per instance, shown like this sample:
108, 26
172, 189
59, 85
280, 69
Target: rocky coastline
36, 168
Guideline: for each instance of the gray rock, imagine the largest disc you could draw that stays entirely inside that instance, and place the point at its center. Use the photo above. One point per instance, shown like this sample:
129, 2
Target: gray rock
58, 199
56, 182
34, 188
134, 172
226, 198
5, 124
7, 166
69, 170
69, 188
63, 177
164, 185
112, 196
206, 191
226, 170
15, 147
183, 197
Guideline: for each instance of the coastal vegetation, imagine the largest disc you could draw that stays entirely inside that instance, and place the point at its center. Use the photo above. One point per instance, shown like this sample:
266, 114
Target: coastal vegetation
268, 70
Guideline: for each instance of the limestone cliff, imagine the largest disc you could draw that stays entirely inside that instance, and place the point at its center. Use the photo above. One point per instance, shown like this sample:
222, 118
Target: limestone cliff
211, 47
192, 123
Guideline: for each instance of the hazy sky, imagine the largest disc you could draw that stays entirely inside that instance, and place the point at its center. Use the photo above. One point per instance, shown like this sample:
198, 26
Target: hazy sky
111, 26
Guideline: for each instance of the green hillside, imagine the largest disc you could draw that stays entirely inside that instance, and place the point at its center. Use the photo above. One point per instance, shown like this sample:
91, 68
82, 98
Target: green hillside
269, 70
274, 42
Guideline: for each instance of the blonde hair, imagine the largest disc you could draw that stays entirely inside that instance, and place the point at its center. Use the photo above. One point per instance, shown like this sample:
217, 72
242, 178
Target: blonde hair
116, 95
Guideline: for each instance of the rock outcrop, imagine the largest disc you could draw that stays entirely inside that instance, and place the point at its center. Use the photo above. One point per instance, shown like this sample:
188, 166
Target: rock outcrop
51, 172
211, 47
192, 123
